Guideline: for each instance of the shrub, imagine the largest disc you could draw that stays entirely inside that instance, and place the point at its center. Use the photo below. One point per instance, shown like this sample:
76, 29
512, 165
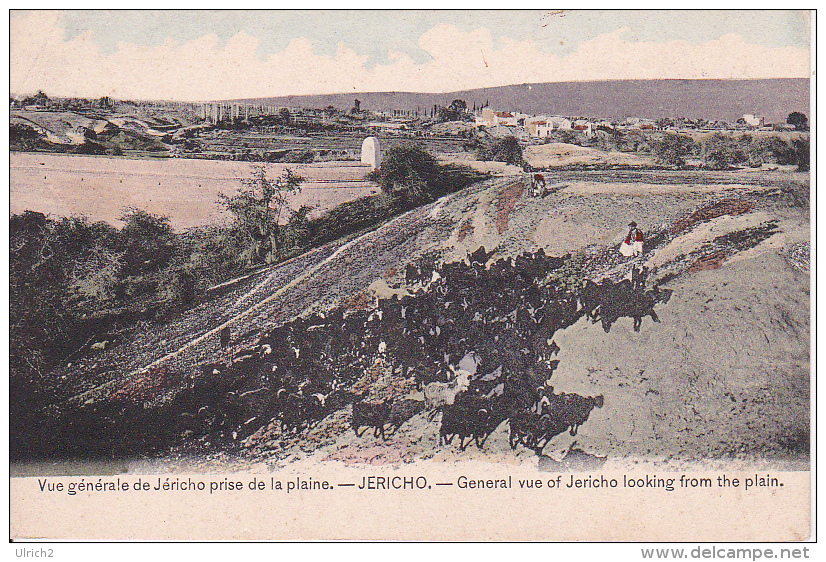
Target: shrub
775, 150
349, 217
299, 157
671, 149
562, 136
296, 232
177, 287
211, 251
749, 151
506, 150
89, 147
25, 138
96, 277
148, 240
405, 167
720, 152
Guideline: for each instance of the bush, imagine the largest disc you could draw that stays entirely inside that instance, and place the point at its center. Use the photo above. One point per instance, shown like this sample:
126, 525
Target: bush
506, 150
148, 240
562, 136
96, 277
25, 138
720, 152
212, 252
350, 217
408, 176
748, 151
671, 149
296, 232
405, 167
177, 288
775, 150
90, 147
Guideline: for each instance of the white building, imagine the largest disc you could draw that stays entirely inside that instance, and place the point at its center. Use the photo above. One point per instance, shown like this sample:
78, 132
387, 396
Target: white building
584, 126
752, 120
371, 152
491, 118
543, 127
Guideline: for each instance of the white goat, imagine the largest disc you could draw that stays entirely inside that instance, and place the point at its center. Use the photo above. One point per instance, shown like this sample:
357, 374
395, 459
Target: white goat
438, 394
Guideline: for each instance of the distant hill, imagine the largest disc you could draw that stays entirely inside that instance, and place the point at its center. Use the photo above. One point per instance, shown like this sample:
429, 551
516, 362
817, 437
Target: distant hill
725, 100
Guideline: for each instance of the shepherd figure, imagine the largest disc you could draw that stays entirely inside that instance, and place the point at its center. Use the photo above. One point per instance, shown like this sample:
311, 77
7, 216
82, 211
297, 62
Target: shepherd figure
632, 245
537, 185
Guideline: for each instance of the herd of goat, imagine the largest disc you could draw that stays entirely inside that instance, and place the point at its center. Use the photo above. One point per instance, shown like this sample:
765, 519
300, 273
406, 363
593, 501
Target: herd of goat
475, 337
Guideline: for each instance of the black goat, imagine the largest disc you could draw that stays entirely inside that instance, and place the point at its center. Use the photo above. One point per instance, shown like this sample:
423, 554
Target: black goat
555, 414
572, 410
372, 414
470, 417
633, 304
403, 410
299, 412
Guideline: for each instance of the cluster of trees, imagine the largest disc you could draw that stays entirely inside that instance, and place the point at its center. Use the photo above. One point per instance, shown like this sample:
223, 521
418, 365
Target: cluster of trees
73, 104
456, 111
72, 282
721, 151
70, 278
798, 120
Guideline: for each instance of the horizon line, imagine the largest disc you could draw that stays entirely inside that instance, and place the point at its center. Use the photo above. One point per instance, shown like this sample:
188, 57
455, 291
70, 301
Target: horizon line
225, 100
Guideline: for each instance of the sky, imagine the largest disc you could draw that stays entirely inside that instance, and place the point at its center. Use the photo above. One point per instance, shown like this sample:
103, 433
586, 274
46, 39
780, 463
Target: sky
210, 55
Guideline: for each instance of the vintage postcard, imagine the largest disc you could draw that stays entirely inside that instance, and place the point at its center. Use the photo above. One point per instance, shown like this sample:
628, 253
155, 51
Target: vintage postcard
410, 275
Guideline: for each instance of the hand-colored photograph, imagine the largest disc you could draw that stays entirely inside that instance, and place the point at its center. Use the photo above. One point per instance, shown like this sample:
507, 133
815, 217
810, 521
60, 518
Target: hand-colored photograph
501, 265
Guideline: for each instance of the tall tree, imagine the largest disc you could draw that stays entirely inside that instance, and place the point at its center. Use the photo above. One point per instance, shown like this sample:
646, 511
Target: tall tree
285, 115
458, 105
258, 208
799, 120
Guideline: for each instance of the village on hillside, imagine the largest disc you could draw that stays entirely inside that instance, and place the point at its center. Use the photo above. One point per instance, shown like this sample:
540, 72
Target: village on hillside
254, 132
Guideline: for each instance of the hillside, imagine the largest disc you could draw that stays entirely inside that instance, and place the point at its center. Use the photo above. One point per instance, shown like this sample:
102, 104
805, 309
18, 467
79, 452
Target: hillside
724, 100
723, 374
66, 131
